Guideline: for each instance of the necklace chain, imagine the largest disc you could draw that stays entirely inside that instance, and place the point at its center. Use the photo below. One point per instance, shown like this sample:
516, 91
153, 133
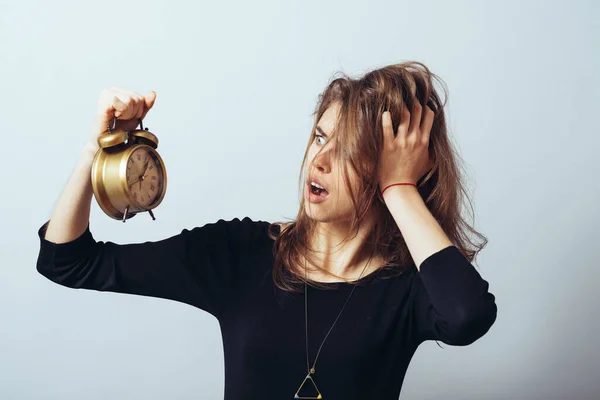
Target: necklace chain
309, 369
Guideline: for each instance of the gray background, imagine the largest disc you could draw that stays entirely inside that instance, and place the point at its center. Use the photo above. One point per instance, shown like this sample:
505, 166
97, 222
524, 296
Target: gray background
236, 84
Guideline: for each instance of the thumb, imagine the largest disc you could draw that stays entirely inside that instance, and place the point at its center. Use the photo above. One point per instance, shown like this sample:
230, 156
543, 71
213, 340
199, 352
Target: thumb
150, 98
149, 102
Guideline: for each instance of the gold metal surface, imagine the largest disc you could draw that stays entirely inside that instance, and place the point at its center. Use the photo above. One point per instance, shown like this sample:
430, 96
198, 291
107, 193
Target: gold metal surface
107, 140
109, 181
149, 136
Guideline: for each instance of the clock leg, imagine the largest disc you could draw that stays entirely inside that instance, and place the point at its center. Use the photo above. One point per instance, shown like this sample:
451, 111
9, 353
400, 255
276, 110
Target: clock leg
152, 215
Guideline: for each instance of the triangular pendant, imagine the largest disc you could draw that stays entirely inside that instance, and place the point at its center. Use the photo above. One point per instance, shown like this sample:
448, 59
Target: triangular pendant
308, 390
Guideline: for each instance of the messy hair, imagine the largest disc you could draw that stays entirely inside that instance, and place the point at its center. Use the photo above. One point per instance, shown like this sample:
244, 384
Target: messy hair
359, 141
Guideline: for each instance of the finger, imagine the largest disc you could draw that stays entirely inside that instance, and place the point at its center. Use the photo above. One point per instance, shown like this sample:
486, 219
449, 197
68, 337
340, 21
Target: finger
133, 107
427, 123
388, 130
404, 123
149, 100
415, 120
135, 102
139, 106
129, 98
129, 112
118, 107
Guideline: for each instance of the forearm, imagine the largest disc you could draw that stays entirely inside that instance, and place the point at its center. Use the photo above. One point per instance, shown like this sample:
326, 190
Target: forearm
422, 233
72, 212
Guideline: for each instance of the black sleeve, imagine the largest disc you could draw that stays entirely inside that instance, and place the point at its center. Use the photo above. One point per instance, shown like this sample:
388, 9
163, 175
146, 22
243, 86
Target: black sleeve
197, 267
451, 300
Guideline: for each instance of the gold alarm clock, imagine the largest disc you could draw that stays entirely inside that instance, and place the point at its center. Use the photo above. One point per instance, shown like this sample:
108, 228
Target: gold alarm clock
128, 174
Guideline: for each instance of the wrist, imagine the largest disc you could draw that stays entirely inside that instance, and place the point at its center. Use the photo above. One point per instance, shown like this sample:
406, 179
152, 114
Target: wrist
393, 190
90, 149
87, 153
399, 183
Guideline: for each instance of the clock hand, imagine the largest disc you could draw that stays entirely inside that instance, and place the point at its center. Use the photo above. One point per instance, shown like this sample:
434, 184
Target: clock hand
145, 166
141, 178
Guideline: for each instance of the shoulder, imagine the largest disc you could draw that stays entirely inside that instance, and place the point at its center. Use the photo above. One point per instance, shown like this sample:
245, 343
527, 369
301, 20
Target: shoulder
243, 228
238, 224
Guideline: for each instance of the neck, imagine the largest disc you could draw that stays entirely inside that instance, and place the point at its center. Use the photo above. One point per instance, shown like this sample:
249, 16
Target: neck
346, 260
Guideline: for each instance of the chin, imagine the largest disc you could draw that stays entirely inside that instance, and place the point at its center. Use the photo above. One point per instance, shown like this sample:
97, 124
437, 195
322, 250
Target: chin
324, 213
317, 212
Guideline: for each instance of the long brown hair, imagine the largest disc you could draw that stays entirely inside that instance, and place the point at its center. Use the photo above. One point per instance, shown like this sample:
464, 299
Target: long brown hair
359, 138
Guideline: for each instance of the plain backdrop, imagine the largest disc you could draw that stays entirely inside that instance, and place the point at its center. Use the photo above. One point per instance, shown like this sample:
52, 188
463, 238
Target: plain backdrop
237, 82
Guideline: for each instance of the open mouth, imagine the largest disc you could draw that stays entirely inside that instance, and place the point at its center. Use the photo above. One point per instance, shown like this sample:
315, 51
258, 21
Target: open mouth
317, 189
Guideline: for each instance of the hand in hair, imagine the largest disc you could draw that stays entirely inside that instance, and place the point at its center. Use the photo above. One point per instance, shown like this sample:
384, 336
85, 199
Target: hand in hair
405, 156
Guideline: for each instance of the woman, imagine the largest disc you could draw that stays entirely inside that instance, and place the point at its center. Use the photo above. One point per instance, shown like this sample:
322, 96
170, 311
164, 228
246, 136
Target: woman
334, 304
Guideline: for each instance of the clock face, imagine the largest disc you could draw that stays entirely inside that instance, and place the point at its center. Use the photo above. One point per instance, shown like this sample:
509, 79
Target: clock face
145, 177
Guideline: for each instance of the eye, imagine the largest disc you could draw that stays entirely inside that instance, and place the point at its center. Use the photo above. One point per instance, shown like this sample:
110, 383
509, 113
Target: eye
317, 137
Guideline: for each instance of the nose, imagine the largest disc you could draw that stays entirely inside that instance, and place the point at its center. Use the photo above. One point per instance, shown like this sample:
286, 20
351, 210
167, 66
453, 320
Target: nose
322, 161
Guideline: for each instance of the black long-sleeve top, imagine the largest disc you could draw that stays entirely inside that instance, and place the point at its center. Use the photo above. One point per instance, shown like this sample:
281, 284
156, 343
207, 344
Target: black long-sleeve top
224, 268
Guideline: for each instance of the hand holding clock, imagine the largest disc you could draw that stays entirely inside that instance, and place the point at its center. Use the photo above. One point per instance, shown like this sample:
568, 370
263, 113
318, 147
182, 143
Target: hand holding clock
127, 106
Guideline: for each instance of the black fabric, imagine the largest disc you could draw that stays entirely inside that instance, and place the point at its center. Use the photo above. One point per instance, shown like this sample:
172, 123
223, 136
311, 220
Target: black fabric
224, 268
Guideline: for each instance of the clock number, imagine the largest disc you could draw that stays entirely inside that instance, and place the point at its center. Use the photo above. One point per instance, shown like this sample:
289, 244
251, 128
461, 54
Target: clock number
152, 187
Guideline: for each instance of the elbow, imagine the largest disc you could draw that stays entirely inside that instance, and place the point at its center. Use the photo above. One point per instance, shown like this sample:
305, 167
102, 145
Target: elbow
469, 325
51, 272
72, 263
70, 274
45, 266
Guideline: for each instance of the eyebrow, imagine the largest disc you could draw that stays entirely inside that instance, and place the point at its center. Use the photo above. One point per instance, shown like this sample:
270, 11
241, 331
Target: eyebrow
321, 131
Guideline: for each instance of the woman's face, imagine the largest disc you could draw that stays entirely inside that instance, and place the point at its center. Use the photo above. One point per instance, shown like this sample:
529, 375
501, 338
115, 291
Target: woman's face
332, 204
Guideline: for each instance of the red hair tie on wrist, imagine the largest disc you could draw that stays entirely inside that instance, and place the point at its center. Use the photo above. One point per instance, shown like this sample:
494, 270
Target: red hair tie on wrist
397, 184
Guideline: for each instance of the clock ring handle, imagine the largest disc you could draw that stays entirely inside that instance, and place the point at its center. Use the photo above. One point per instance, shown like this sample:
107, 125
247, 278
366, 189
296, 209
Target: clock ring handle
113, 125
144, 136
